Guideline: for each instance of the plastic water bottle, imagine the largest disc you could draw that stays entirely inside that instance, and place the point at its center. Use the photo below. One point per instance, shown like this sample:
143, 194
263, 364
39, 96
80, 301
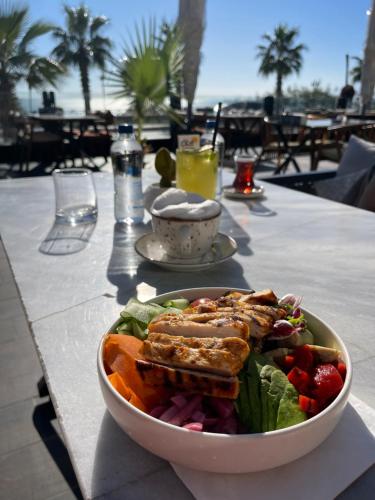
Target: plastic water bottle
207, 138
127, 162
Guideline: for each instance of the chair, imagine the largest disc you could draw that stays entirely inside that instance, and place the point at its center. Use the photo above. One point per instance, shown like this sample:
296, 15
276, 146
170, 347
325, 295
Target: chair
41, 146
332, 144
241, 134
283, 138
353, 183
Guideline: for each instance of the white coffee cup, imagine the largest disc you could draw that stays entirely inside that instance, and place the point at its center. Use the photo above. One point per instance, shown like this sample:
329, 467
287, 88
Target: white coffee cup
186, 239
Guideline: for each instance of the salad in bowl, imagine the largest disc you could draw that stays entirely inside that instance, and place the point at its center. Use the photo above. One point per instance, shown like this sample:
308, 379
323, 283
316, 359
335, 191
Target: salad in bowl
249, 379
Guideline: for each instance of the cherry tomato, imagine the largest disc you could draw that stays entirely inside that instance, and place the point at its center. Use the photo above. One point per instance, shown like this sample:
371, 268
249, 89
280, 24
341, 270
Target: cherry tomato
300, 379
328, 381
308, 405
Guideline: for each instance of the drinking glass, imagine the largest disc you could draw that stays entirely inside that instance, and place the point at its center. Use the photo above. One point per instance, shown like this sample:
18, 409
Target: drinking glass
196, 172
244, 180
75, 196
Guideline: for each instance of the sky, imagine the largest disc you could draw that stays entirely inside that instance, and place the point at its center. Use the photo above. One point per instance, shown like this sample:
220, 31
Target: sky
329, 28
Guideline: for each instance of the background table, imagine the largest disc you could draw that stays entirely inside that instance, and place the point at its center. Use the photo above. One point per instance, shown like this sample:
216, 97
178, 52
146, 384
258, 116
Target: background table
290, 241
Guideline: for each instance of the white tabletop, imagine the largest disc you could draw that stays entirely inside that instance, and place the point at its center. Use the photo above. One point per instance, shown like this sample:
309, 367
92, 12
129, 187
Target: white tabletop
289, 241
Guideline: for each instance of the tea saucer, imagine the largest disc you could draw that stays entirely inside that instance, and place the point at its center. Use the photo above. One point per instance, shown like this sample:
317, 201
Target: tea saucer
150, 248
230, 192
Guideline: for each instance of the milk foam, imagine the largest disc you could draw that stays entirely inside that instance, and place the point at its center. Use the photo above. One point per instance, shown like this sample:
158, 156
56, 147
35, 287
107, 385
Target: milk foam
178, 204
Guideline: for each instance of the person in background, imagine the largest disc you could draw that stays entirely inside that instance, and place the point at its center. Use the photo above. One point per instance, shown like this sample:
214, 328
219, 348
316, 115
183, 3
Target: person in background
346, 97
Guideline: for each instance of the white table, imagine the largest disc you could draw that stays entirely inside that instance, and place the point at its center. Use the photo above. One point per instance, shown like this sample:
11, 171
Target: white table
290, 241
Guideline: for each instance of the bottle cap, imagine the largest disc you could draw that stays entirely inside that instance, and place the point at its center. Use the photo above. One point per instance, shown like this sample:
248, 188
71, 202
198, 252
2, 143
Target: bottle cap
210, 124
125, 128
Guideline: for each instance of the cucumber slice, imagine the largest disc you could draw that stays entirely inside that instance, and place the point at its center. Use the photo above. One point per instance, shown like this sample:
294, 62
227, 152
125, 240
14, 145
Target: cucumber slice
143, 313
177, 303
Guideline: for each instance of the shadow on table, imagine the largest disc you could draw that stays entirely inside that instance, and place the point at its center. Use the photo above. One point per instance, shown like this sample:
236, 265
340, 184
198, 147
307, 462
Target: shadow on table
231, 227
43, 416
64, 239
119, 460
257, 207
126, 269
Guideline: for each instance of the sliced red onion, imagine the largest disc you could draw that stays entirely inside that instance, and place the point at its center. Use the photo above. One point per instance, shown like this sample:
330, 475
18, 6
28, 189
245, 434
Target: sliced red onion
198, 416
186, 412
169, 414
223, 407
297, 313
291, 300
227, 426
288, 299
179, 400
210, 421
282, 329
157, 411
194, 426
297, 302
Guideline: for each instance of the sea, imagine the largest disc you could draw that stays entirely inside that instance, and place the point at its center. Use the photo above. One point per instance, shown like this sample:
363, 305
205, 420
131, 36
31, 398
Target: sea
73, 104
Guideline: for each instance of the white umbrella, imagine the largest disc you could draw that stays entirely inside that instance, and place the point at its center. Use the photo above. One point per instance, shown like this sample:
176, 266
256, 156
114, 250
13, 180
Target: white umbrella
368, 66
191, 20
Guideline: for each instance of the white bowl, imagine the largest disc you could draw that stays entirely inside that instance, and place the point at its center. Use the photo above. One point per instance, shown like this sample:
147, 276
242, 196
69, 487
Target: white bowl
222, 452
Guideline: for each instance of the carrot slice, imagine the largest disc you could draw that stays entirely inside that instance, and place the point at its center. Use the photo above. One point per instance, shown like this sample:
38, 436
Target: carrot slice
121, 353
118, 383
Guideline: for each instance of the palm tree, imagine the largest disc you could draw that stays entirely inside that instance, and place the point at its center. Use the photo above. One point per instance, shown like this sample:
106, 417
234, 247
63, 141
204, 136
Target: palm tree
142, 75
17, 60
356, 71
81, 45
171, 50
280, 55
42, 70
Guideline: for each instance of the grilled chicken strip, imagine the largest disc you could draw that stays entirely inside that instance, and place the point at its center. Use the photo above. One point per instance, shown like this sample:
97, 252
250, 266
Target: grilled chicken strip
259, 324
265, 297
260, 319
242, 307
262, 297
275, 313
186, 326
188, 380
221, 356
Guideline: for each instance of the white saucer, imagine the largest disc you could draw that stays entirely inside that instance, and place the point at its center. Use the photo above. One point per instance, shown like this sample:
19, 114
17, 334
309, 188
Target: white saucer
150, 248
230, 192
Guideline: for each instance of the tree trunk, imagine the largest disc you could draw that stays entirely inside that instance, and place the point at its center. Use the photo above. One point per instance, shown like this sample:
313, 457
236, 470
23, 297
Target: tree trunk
84, 73
30, 100
189, 116
175, 104
279, 93
8, 103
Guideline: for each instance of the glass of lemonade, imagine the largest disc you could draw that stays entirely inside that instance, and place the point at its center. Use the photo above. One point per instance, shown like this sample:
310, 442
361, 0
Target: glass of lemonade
196, 172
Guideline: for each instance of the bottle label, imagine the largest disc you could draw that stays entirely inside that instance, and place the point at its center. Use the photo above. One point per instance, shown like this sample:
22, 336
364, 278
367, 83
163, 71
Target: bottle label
130, 164
188, 142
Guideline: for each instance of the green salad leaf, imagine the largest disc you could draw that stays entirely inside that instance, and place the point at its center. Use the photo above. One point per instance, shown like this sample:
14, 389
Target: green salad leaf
289, 411
137, 315
266, 401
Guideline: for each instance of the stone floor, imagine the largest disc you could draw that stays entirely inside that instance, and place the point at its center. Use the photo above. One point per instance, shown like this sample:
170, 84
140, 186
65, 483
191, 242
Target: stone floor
34, 463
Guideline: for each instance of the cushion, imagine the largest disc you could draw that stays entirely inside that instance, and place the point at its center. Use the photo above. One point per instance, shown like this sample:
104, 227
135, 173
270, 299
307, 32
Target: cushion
367, 200
358, 155
340, 188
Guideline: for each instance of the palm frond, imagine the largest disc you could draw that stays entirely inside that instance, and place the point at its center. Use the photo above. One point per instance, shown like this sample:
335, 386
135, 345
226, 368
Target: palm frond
36, 30
12, 24
43, 70
97, 23
142, 73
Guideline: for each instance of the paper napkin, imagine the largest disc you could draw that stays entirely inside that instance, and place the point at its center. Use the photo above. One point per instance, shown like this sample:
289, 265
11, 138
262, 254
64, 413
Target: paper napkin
322, 474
